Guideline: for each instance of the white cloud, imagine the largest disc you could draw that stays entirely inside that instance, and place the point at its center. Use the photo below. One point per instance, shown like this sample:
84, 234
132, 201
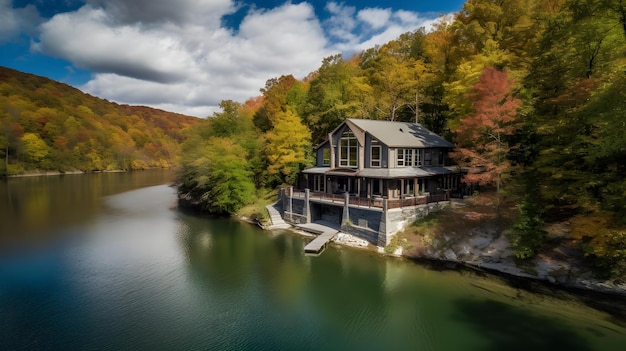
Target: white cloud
177, 55
376, 18
186, 67
341, 24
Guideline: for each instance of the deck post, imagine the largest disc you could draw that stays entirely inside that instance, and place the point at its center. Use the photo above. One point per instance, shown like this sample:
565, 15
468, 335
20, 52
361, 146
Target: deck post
346, 208
307, 205
291, 204
384, 219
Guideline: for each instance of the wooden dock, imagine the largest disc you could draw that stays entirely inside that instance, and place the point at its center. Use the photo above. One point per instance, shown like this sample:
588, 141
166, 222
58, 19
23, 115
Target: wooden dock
326, 234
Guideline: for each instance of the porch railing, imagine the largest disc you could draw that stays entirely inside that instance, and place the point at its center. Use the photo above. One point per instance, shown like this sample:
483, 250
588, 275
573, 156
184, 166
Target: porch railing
376, 202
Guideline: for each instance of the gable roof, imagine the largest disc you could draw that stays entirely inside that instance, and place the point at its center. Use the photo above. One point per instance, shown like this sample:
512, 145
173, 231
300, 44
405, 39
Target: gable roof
400, 134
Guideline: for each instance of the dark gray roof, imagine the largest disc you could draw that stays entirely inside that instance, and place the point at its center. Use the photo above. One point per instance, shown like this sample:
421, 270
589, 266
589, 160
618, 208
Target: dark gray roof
401, 134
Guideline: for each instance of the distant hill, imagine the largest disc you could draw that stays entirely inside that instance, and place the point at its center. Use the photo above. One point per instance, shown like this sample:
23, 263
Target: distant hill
50, 126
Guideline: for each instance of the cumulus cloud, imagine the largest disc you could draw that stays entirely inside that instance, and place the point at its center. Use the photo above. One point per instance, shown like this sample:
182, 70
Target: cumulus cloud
184, 65
341, 23
179, 57
356, 31
14, 21
207, 13
376, 18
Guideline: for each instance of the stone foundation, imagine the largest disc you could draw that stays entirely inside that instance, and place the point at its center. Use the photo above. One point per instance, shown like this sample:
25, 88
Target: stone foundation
375, 225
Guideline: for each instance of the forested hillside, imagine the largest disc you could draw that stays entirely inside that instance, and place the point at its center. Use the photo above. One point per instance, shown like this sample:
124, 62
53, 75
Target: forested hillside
533, 91
50, 126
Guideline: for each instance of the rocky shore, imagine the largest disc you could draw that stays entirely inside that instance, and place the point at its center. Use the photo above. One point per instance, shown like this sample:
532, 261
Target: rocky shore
562, 265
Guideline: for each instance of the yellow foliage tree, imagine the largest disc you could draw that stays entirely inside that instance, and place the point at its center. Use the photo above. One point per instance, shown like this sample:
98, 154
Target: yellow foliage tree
34, 148
288, 147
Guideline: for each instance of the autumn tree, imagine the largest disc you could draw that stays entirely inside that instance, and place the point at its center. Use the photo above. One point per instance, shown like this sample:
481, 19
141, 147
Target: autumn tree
483, 136
288, 148
328, 100
393, 75
80, 132
276, 96
34, 149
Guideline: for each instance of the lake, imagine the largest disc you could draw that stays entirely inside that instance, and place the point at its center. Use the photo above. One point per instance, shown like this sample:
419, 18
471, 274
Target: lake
108, 262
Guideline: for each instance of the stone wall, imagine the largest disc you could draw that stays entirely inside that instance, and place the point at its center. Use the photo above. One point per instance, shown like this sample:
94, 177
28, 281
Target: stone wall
399, 218
364, 233
366, 218
294, 210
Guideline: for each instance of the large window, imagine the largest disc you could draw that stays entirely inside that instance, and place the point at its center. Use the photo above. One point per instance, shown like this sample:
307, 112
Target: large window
348, 150
409, 157
376, 154
326, 160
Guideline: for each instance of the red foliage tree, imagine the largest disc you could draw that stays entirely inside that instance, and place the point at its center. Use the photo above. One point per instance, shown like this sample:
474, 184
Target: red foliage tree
482, 139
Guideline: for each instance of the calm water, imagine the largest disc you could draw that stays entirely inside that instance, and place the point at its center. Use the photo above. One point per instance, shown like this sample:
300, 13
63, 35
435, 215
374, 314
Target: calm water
107, 262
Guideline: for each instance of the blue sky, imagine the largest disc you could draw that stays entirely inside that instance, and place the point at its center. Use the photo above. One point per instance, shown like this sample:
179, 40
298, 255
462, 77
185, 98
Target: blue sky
187, 55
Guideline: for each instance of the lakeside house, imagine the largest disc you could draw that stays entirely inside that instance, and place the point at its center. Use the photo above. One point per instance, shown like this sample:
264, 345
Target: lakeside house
371, 177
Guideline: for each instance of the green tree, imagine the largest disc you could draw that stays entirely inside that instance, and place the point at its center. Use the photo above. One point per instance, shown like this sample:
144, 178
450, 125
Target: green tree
328, 99
215, 176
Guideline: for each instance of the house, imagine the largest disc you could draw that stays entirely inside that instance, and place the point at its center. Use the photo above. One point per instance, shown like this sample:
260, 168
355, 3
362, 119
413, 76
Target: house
372, 177
373, 159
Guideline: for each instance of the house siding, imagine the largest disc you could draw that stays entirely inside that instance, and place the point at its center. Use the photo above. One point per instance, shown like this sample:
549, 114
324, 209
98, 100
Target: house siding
319, 155
384, 158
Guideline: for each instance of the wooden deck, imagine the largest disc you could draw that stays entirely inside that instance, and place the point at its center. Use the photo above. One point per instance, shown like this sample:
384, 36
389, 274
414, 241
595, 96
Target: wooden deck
326, 233
376, 202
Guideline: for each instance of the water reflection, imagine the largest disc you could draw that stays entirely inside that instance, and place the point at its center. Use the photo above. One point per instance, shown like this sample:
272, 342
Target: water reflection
509, 328
141, 275
34, 208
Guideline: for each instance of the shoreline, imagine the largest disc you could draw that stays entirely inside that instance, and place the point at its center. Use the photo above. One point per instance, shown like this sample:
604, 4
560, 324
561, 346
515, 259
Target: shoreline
614, 288
58, 173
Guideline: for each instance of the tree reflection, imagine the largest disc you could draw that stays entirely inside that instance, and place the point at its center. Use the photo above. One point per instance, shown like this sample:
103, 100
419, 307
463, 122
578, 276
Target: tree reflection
510, 328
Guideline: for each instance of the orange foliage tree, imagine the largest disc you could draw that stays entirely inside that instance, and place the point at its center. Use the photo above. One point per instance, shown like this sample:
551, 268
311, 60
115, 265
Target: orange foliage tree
482, 137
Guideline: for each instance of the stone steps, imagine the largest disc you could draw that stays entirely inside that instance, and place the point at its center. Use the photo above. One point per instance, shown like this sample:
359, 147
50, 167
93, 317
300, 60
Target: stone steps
276, 218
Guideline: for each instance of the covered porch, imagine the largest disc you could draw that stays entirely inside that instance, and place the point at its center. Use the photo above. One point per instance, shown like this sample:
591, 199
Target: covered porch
371, 202
400, 186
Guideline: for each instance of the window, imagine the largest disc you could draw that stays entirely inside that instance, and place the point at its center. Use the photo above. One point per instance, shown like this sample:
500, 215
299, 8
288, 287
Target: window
400, 162
376, 153
348, 147
409, 158
377, 187
326, 159
418, 157
318, 183
427, 157
409, 187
